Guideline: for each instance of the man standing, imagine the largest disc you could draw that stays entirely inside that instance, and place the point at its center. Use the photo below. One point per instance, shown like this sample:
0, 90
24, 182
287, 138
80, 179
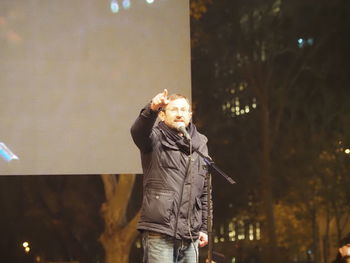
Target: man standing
343, 255
174, 209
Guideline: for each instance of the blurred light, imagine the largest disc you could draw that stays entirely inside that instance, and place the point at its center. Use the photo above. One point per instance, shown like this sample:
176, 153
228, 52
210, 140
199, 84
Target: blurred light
310, 41
27, 249
230, 226
138, 244
6, 153
258, 233
25, 244
222, 239
222, 230
114, 6
251, 232
300, 42
232, 232
126, 4
216, 240
150, 1
37, 259
241, 237
347, 151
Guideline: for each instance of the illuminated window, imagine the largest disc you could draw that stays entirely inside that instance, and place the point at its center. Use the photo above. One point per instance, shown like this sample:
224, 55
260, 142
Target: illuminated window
251, 232
258, 231
241, 230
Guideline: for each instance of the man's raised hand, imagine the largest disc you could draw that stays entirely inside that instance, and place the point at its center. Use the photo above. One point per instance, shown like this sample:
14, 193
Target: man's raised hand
160, 100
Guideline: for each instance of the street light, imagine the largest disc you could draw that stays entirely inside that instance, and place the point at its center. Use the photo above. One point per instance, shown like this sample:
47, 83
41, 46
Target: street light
25, 244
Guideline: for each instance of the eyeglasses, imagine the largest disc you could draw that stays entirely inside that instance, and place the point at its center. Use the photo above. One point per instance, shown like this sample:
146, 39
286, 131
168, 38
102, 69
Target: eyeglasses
177, 110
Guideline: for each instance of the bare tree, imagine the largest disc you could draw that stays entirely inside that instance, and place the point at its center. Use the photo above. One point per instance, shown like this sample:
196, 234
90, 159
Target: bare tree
119, 233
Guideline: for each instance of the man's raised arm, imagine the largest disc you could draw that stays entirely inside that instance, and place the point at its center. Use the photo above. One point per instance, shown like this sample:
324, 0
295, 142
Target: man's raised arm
142, 127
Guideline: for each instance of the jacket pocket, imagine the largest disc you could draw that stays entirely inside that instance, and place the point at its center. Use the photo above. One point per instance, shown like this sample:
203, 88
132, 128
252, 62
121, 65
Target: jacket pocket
170, 159
157, 206
197, 215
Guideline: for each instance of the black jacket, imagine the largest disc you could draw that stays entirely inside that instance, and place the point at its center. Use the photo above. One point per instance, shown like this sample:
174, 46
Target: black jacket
341, 259
171, 202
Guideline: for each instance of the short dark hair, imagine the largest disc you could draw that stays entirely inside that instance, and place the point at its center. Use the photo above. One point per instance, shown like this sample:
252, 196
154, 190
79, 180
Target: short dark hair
176, 96
344, 241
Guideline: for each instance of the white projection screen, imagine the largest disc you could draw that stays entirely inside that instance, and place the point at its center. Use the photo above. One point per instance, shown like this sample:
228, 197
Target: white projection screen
74, 75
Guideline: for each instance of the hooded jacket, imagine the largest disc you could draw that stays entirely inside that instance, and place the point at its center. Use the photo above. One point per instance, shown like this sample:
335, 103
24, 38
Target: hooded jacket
174, 193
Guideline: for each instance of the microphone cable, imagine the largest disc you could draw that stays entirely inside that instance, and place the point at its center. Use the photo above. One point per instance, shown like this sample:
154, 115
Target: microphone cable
189, 221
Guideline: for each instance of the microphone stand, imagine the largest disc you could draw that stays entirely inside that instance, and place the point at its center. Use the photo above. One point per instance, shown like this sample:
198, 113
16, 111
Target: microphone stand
212, 168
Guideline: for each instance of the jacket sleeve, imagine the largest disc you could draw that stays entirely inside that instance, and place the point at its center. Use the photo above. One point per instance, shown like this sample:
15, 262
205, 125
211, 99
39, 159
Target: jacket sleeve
204, 201
142, 128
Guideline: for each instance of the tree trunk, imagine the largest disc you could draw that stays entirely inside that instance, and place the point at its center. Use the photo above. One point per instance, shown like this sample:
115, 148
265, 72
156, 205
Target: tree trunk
117, 246
325, 240
119, 234
315, 234
269, 231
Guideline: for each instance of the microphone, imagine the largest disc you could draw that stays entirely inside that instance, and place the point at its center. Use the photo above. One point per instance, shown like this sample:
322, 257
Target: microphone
181, 128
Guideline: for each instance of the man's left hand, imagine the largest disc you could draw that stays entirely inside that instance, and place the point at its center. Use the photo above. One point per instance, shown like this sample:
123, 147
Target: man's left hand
203, 239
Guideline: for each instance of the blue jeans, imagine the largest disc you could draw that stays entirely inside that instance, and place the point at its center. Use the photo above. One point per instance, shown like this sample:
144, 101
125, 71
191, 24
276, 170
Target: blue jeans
159, 248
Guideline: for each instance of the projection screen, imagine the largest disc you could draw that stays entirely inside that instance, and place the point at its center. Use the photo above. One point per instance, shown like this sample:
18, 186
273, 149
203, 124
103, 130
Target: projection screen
74, 75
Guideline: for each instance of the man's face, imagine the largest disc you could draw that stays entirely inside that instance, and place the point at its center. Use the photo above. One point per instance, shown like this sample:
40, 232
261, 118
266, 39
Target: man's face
176, 111
345, 250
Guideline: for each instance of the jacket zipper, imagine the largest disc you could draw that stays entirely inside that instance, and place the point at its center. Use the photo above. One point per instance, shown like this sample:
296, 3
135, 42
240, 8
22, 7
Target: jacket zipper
181, 195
